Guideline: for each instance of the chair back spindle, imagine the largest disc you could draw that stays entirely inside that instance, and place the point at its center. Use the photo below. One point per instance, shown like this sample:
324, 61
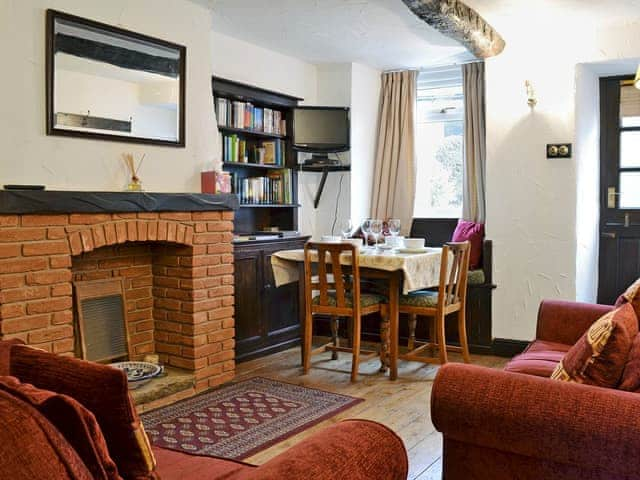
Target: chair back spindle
453, 273
345, 281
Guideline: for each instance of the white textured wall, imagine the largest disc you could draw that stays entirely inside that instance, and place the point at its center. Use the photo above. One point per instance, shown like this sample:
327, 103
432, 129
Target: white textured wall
255, 65
532, 201
365, 101
30, 156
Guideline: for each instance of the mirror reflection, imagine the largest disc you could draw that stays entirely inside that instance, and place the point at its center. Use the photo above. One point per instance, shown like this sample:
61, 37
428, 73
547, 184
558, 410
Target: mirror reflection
111, 82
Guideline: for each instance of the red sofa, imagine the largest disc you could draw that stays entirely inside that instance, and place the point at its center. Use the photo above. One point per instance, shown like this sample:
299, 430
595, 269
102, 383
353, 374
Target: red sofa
32, 448
518, 424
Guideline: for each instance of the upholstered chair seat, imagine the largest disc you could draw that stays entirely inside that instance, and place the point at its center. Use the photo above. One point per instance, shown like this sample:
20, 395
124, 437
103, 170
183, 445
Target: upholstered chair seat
366, 299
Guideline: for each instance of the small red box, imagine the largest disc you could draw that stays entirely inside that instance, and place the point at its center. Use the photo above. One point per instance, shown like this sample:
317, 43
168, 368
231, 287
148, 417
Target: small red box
215, 182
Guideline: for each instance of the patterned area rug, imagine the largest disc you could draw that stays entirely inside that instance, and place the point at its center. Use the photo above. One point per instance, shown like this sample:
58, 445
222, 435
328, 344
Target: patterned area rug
238, 420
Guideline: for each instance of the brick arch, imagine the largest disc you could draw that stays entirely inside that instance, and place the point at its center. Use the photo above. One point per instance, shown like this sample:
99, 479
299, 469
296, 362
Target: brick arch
114, 232
192, 284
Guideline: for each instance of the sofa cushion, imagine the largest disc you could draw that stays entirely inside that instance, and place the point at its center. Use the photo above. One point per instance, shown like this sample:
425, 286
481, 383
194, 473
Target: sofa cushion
539, 359
632, 296
631, 374
474, 233
599, 356
31, 448
73, 421
101, 389
183, 466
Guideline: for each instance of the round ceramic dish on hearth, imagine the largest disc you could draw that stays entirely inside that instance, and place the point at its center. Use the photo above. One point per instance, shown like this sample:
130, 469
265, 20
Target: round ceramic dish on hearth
138, 373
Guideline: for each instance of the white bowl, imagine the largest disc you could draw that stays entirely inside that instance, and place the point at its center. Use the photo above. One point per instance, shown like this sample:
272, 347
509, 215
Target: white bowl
414, 243
331, 238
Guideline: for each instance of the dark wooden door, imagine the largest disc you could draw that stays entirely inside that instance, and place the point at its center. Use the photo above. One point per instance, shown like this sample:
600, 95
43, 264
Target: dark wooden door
619, 262
249, 324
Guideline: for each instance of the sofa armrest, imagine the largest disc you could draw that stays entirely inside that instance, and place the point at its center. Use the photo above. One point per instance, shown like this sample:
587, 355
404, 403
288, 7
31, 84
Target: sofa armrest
565, 322
352, 449
578, 425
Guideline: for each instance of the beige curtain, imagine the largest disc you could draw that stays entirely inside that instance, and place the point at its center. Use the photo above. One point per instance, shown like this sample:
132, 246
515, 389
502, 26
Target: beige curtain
475, 146
394, 179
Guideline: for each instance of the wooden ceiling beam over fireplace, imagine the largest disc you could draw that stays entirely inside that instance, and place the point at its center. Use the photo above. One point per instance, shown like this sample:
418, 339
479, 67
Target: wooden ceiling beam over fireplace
460, 22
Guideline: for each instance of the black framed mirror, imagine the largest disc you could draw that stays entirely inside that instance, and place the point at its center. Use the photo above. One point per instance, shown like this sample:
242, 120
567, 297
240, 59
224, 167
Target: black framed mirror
107, 83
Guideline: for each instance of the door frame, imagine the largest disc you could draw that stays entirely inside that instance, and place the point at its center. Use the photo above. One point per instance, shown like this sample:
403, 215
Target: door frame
615, 224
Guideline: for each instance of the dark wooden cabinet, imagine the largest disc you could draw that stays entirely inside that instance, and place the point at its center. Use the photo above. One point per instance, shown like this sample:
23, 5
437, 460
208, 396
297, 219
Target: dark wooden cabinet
266, 316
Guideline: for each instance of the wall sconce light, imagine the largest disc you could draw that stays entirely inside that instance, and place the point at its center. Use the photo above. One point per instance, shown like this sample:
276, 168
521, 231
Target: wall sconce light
636, 82
532, 101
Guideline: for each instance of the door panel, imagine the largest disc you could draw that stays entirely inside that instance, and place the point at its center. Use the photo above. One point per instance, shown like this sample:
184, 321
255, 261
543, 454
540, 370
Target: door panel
619, 263
281, 306
249, 326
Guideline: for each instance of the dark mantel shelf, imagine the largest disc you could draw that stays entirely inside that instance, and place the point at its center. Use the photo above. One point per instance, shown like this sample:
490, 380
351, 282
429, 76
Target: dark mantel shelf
45, 201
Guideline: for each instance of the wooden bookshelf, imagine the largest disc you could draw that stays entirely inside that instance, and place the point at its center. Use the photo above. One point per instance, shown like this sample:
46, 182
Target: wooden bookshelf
250, 133
259, 216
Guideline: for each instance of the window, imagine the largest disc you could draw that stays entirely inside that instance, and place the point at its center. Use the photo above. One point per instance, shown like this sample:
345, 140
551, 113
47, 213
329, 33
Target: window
629, 168
439, 143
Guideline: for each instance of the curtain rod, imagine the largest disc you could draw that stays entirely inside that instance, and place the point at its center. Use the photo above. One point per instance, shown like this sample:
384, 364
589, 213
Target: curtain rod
423, 69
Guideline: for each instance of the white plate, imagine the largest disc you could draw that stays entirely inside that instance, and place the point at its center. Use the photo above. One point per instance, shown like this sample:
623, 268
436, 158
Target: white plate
413, 250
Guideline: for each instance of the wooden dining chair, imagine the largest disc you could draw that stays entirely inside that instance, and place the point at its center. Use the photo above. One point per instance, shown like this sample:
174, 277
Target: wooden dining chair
335, 291
450, 298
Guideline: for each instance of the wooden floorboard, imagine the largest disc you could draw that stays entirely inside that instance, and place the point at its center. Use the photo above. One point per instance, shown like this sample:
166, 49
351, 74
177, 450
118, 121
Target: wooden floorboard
402, 405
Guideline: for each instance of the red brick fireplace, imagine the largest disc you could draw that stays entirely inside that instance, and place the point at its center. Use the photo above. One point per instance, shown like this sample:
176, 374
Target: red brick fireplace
176, 267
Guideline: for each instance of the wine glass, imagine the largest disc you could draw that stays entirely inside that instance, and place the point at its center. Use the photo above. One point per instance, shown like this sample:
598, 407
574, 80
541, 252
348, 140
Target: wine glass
376, 229
346, 227
394, 226
366, 230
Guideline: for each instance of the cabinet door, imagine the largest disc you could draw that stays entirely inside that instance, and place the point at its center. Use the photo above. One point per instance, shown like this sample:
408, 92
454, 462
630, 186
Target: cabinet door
249, 318
281, 304
281, 307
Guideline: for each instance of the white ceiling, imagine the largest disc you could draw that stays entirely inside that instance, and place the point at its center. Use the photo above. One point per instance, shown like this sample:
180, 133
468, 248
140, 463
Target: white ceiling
386, 35
508, 14
379, 33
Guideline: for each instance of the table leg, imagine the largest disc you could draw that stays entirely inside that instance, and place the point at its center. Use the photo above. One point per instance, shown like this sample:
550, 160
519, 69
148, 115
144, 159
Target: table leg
301, 309
394, 321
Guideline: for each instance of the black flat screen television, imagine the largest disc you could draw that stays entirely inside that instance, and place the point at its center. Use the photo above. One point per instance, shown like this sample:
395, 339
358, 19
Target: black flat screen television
321, 129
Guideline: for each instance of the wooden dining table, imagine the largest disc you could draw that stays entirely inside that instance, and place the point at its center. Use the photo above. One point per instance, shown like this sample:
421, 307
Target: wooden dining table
402, 272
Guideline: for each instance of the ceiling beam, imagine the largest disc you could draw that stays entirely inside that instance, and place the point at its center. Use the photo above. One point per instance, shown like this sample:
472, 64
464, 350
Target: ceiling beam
460, 22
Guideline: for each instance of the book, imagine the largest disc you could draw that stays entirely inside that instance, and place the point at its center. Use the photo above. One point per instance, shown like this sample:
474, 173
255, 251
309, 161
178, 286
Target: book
269, 153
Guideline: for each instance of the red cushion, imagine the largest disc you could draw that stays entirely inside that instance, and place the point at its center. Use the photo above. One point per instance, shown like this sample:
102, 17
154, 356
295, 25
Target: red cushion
101, 389
31, 448
539, 359
73, 421
599, 356
180, 465
474, 232
631, 295
5, 351
631, 374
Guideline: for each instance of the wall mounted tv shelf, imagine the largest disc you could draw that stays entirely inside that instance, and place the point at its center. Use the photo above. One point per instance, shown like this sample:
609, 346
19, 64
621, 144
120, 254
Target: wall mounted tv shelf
324, 169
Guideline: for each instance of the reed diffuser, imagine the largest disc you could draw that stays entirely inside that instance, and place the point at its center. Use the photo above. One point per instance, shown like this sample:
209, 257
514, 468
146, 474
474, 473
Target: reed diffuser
135, 185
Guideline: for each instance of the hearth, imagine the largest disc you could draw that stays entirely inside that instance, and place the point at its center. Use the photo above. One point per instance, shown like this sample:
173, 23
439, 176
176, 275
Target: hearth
172, 254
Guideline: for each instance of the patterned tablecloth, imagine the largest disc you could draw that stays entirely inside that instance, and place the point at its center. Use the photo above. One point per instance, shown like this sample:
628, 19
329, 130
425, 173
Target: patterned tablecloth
420, 270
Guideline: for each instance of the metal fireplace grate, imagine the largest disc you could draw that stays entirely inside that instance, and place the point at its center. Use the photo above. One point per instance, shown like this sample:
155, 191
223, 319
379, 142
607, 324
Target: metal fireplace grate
101, 314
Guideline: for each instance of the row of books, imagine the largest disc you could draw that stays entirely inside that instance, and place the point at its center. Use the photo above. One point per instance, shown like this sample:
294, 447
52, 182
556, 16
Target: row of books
245, 115
238, 150
274, 188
